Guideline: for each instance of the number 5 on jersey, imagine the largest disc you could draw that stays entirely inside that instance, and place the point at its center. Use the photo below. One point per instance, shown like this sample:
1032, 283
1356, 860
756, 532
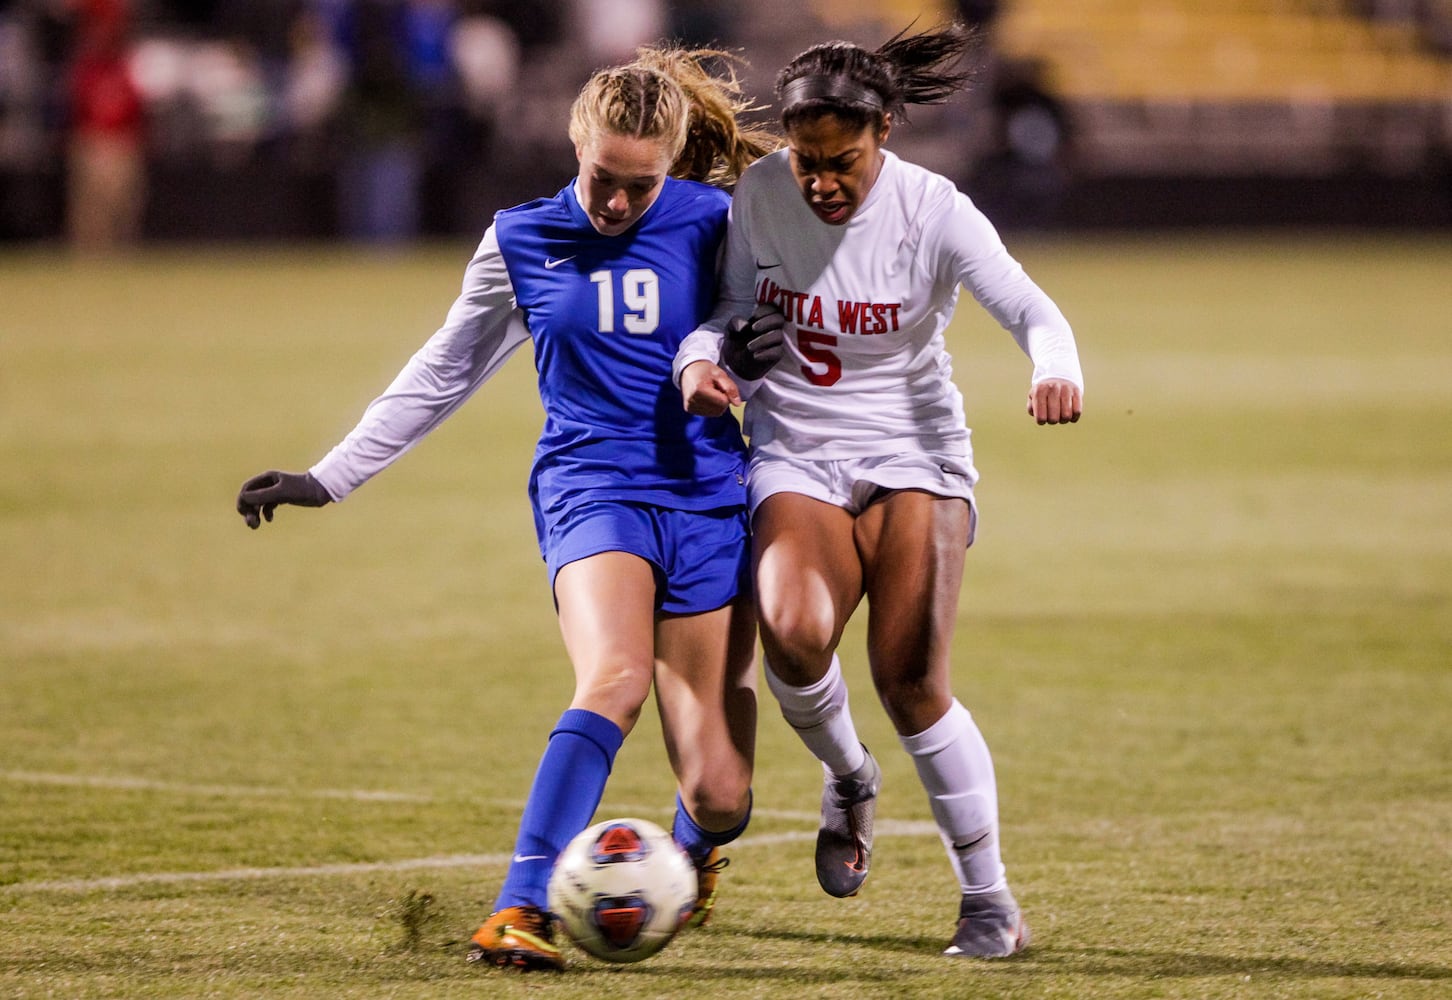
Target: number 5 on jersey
639, 291
823, 366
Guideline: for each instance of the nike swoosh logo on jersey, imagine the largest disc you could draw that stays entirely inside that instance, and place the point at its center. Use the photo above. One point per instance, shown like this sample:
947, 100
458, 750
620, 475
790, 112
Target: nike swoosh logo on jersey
766, 267
553, 262
520, 858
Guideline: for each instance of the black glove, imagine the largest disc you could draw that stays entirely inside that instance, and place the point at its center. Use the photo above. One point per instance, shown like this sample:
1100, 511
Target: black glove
261, 494
753, 346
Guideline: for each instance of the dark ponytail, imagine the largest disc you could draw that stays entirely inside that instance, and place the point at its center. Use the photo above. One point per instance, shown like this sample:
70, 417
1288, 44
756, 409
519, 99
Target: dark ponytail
860, 87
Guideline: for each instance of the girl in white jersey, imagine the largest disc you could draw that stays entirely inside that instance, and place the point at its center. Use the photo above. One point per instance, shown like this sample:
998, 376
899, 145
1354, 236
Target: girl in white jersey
861, 475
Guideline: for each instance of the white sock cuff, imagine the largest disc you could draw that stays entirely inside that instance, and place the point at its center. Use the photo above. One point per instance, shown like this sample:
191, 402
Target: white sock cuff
939, 734
804, 707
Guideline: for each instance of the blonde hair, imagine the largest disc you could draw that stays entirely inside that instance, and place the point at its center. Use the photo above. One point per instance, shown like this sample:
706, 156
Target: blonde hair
671, 94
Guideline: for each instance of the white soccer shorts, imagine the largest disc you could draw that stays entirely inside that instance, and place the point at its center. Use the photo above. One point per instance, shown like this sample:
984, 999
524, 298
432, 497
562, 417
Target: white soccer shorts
854, 483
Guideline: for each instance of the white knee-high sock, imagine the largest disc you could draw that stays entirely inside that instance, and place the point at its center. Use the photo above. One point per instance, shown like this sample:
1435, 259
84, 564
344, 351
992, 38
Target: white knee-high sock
957, 771
821, 718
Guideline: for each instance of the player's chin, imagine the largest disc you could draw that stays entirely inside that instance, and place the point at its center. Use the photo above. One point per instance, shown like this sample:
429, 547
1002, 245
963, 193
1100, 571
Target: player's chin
611, 227
833, 213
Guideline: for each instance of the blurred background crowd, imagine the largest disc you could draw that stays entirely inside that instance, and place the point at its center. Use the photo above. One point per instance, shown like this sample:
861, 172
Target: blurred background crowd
391, 120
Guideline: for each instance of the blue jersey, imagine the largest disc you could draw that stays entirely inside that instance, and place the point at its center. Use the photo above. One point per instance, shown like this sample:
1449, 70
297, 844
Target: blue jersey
607, 314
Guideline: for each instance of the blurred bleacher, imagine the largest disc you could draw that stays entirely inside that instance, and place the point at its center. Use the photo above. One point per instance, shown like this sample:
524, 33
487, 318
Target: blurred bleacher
1241, 86
1163, 112
260, 123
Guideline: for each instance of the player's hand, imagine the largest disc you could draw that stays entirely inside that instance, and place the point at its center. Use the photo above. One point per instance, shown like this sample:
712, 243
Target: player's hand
261, 494
753, 346
708, 390
1056, 401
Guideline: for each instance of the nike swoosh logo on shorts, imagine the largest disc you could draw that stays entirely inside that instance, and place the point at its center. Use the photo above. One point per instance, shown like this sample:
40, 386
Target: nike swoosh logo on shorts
553, 262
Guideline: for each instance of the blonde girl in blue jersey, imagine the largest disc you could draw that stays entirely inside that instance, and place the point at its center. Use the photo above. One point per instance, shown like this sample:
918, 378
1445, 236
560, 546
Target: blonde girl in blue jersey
639, 507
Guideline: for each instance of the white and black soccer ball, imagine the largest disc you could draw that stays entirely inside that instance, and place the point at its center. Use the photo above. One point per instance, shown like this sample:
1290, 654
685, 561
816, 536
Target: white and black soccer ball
622, 888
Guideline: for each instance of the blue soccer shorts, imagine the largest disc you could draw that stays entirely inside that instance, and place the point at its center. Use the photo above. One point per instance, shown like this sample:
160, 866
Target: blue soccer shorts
702, 558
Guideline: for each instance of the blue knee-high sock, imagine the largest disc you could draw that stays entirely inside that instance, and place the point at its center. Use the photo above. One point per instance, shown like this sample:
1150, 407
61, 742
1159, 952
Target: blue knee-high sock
566, 791
697, 841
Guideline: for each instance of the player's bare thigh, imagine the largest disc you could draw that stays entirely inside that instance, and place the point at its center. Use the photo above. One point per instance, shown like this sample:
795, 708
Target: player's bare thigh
808, 582
607, 618
705, 689
912, 547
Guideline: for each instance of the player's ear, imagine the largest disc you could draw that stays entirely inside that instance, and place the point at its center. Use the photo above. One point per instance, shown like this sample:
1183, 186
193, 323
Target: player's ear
886, 127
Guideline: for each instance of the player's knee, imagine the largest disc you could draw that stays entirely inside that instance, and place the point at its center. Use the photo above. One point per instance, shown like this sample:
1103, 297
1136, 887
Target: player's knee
616, 691
795, 632
719, 802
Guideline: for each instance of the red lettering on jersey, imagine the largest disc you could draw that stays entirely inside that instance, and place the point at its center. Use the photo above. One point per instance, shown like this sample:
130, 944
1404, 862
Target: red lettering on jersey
871, 322
853, 318
766, 291
868, 318
879, 313
814, 318
824, 367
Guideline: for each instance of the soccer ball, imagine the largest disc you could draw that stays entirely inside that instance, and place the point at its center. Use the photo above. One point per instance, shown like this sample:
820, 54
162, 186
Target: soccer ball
621, 889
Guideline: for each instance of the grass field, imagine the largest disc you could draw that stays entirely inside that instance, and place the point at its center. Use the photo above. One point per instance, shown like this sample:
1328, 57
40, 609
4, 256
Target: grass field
1207, 631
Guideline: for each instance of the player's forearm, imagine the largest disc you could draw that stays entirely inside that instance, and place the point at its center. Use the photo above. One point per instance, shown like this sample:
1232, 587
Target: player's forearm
1054, 353
702, 344
482, 330
415, 403
436, 381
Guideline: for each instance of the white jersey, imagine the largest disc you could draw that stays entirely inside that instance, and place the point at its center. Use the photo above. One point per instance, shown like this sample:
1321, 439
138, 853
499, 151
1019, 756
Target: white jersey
866, 372
482, 330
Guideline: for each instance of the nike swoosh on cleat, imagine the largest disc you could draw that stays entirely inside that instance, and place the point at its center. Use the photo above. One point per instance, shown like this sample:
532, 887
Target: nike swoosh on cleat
553, 262
524, 936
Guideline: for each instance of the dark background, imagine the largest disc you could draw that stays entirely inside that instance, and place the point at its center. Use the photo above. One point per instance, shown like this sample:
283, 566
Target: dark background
406, 137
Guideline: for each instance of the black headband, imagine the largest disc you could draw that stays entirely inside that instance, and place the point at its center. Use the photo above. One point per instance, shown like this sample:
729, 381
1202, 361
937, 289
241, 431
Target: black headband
828, 87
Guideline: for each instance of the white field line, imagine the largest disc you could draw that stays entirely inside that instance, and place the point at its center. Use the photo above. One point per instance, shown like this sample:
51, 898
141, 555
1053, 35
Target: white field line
889, 828
122, 783
129, 784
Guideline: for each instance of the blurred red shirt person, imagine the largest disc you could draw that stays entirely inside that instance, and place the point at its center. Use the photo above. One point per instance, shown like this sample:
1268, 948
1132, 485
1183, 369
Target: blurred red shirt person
106, 150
